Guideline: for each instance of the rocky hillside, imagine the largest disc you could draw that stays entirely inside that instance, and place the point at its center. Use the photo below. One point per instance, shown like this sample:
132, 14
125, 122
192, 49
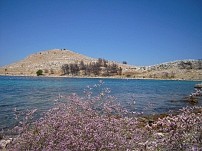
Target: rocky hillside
181, 64
51, 62
182, 69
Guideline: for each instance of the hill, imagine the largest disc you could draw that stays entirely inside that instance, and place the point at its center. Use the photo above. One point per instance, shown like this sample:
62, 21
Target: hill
51, 63
50, 60
181, 69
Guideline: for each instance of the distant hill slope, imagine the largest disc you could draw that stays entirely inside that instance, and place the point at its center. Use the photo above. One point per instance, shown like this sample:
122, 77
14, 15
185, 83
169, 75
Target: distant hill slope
51, 62
45, 60
181, 69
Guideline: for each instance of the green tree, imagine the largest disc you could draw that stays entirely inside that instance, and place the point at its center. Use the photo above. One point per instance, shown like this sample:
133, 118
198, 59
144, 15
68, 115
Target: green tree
74, 69
82, 65
65, 68
120, 71
39, 72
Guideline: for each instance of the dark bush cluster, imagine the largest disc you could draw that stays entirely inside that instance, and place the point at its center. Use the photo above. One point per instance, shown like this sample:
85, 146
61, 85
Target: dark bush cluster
124, 62
98, 68
39, 72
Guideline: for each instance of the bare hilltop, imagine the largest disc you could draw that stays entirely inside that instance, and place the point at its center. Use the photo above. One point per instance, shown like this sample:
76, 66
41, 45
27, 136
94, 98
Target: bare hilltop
63, 62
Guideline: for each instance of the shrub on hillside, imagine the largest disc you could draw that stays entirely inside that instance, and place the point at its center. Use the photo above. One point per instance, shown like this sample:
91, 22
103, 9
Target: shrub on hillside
39, 72
124, 62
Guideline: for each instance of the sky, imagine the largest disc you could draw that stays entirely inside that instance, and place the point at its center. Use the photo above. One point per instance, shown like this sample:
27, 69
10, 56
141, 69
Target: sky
141, 32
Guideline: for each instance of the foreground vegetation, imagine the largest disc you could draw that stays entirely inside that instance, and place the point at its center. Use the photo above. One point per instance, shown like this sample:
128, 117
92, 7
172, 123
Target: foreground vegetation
97, 122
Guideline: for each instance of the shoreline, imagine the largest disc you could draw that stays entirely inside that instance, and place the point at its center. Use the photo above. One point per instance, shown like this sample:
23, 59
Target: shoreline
100, 77
144, 121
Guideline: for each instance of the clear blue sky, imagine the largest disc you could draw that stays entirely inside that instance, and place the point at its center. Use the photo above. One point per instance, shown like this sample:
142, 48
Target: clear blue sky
141, 32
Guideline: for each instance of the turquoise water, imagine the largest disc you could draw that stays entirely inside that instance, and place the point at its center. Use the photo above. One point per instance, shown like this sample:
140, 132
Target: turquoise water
151, 96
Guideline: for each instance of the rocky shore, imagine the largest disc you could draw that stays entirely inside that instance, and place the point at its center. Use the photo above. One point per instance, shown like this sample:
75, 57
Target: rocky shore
4, 143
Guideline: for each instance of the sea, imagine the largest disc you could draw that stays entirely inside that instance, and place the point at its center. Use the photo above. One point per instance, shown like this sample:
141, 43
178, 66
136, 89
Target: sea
137, 95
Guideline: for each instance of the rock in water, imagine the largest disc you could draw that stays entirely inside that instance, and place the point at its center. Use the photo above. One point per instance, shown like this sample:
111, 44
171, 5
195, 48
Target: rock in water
198, 86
